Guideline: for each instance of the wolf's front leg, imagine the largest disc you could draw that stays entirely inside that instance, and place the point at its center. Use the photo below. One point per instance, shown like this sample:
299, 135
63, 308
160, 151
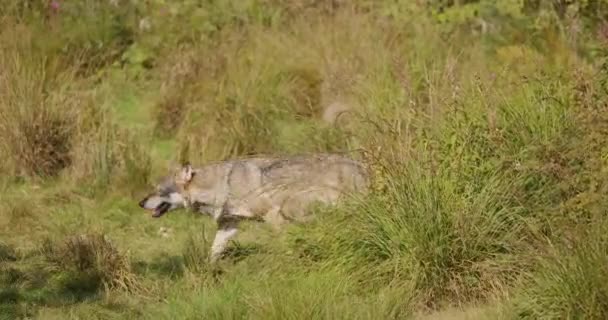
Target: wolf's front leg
226, 230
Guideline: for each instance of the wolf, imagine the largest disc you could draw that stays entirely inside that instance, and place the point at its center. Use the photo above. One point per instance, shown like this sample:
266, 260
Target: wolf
273, 190
166, 196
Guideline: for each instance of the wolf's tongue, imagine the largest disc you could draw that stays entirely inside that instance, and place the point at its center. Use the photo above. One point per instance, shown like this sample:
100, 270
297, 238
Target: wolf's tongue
161, 209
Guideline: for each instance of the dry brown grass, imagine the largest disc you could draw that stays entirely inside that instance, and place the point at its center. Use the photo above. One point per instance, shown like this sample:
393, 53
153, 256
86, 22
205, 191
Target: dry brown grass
36, 114
52, 118
95, 256
169, 114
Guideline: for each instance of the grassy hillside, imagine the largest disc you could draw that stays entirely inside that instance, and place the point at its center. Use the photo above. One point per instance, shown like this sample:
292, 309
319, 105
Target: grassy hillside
486, 126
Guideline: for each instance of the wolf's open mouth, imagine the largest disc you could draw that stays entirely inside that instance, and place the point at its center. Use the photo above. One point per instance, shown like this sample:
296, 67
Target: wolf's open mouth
161, 209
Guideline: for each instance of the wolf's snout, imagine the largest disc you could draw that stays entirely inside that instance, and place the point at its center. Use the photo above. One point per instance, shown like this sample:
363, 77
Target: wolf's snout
142, 203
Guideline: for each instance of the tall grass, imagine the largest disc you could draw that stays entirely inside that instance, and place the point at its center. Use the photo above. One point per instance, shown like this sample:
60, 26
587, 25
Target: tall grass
51, 119
37, 120
570, 281
315, 295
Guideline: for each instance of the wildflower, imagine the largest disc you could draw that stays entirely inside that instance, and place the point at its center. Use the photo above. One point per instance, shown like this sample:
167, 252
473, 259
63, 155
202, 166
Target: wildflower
54, 5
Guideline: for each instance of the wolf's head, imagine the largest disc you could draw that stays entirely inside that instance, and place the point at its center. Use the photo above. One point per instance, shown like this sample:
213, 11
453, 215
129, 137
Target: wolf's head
166, 198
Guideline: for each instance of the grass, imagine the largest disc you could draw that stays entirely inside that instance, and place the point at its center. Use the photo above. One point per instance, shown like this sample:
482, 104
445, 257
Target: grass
568, 283
486, 134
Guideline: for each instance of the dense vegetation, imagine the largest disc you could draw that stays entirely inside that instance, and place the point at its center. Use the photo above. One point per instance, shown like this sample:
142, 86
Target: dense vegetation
486, 124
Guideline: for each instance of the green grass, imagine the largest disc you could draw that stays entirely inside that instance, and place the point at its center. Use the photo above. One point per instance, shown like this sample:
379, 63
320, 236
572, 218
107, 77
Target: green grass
488, 153
569, 283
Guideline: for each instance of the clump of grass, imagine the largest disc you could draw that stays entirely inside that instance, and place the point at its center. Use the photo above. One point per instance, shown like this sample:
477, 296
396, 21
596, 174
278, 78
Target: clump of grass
196, 253
41, 100
96, 34
169, 114
569, 278
45, 146
36, 123
450, 245
182, 74
308, 298
93, 262
571, 281
295, 295
50, 120
7, 253
105, 153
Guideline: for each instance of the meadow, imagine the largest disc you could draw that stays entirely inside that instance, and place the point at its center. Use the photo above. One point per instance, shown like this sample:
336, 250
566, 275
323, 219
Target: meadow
485, 124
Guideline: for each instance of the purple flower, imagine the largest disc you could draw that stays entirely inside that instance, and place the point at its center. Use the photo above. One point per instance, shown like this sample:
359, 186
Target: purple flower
55, 5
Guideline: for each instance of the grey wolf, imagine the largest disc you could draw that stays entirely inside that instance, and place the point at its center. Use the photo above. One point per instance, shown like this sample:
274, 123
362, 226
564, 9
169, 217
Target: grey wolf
273, 190
166, 196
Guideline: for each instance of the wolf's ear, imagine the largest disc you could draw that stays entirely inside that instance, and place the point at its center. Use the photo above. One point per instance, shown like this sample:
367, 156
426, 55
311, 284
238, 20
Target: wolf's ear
186, 173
